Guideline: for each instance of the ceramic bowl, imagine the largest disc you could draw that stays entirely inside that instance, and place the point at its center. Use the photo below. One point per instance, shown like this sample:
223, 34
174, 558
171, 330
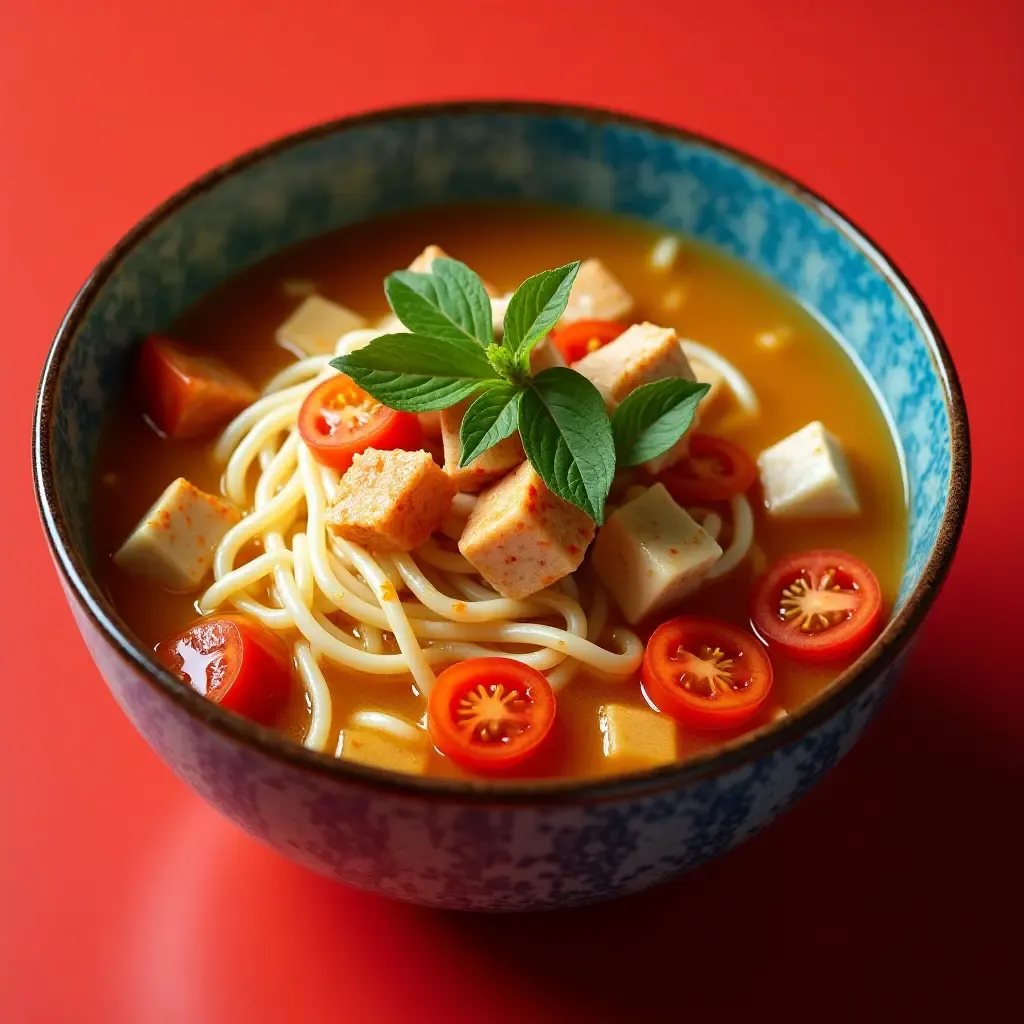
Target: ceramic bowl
461, 844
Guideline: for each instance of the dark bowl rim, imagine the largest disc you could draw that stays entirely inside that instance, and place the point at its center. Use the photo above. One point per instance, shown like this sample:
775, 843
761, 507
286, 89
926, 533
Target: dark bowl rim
738, 753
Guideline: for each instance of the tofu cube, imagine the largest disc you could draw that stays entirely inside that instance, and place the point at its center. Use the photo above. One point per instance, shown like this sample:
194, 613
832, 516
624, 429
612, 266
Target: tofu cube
378, 749
390, 500
522, 538
596, 295
425, 260
545, 355
173, 544
484, 469
806, 474
315, 327
651, 553
640, 355
636, 737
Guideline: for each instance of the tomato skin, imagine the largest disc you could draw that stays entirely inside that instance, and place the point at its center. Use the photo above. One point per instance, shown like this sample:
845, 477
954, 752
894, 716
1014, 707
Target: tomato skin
728, 708
460, 742
689, 481
333, 442
578, 339
249, 664
844, 639
185, 394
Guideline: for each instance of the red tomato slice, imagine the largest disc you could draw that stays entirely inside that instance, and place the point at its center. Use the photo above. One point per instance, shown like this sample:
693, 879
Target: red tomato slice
576, 340
488, 714
339, 420
705, 673
818, 605
233, 661
712, 470
184, 394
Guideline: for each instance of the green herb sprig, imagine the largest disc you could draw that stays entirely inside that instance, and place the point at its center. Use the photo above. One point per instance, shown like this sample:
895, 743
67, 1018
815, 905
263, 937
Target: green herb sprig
451, 355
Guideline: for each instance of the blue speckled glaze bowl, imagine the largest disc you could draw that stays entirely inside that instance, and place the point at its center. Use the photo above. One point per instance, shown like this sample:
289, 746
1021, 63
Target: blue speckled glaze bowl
474, 845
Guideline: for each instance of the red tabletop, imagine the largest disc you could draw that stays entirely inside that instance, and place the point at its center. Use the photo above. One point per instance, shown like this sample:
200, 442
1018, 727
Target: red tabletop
897, 883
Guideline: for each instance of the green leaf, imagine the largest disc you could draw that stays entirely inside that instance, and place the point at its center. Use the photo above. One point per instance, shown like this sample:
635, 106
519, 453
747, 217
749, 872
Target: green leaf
416, 374
652, 418
568, 439
448, 303
535, 308
490, 419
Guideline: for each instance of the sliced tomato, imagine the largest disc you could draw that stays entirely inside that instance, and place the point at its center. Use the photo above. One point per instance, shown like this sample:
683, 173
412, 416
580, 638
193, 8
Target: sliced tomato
339, 420
818, 605
705, 673
488, 714
578, 339
233, 661
185, 394
712, 470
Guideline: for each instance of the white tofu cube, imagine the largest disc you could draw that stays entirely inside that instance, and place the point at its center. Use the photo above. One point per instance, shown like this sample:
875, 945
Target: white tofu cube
315, 327
379, 749
640, 355
806, 474
522, 538
544, 356
651, 553
173, 544
425, 261
596, 295
484, 469
635, 737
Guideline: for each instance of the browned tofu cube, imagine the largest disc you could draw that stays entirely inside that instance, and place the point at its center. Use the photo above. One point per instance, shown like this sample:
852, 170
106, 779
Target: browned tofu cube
596, 295
522, 538
484, 469
640, 355
391, 501
425, 260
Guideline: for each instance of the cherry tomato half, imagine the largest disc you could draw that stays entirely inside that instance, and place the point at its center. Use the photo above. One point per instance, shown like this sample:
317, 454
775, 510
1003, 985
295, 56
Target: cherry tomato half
818, 605
339, 420
233, 661
578, 339
488, 714
705, 673
712, 470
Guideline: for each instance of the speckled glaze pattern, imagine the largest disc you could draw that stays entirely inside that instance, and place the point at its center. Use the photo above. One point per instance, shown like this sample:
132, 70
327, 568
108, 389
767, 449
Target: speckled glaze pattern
466, 849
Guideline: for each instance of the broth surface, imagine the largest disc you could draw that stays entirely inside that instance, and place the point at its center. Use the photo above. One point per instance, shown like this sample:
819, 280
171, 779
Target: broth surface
704, 296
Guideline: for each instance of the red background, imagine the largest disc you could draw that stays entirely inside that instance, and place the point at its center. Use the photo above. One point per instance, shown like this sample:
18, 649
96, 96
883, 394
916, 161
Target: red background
896, 884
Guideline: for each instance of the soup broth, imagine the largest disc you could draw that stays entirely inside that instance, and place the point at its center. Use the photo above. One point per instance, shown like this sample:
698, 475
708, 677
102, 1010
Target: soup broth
797, 370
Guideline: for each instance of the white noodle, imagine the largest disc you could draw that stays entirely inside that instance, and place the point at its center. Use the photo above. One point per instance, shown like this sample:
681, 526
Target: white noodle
664, 253
742, 537
738, 384
319, 697
381, 721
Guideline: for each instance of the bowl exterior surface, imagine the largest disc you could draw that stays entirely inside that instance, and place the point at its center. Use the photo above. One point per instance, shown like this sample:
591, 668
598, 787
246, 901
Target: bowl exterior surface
440, 850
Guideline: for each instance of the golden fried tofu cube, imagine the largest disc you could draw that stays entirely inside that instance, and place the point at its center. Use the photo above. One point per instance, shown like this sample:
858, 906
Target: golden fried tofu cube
315, 327
522, 538
640, 355
390, 500
484, 469
173, 544
636, 737
378, 749
596, 295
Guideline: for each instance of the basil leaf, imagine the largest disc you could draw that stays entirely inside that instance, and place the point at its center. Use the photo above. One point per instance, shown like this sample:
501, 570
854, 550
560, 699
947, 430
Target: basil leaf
535, 308
448, 303
652, 418
567, 437
490, 419
415, 374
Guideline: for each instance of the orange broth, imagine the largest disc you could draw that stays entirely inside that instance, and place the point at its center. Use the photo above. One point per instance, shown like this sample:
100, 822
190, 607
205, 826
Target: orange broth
705, 296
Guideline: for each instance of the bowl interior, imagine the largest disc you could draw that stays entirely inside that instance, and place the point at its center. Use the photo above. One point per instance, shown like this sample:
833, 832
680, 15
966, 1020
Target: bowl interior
364, 168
